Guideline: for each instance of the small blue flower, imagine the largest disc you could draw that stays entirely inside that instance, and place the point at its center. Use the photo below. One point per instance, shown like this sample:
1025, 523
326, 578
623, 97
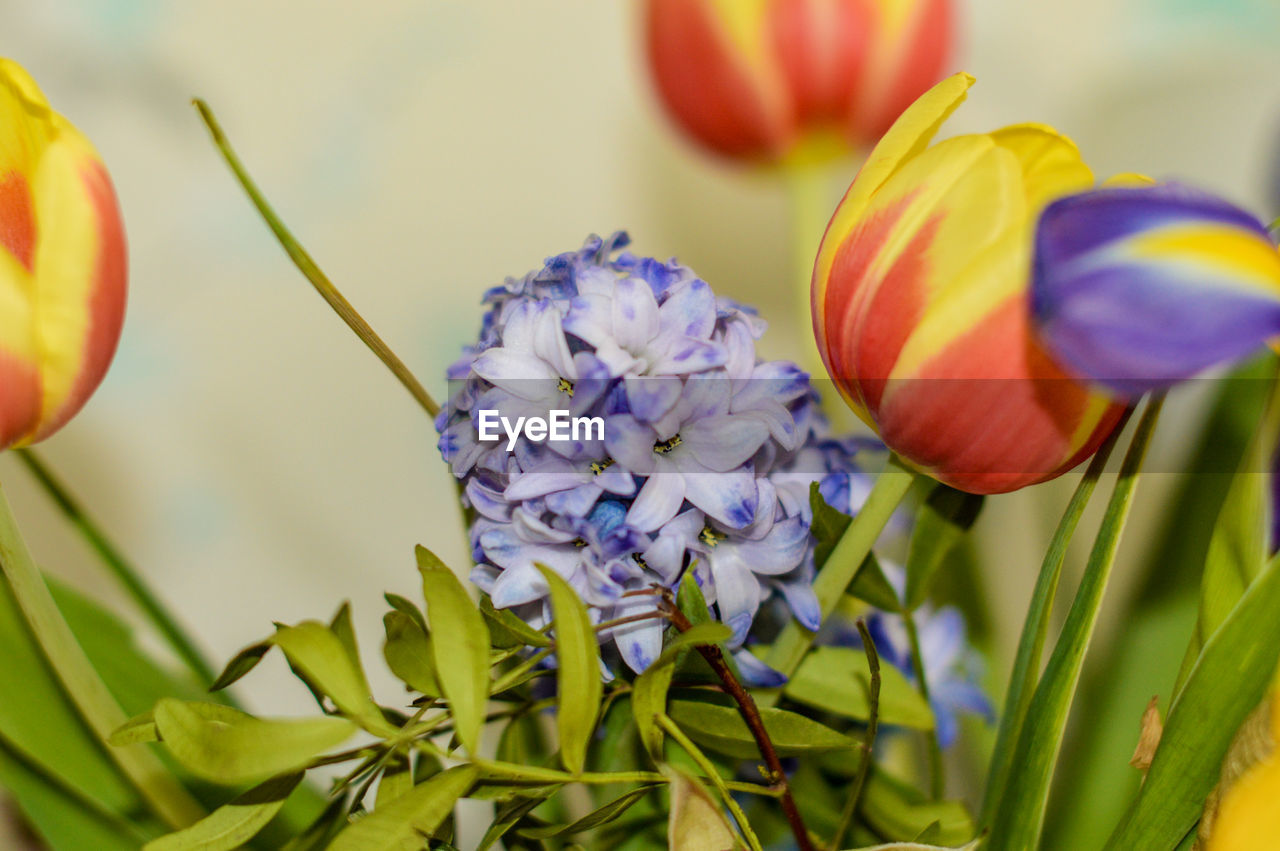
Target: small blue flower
952, 667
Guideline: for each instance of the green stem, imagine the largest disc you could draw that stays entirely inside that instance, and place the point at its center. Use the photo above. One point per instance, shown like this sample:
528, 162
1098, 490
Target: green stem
842, 565
673, 730
311, 271
934, 749
868, 739
809, 211
161, 618
1274, 226
1035, 629
1019, 814
161, 792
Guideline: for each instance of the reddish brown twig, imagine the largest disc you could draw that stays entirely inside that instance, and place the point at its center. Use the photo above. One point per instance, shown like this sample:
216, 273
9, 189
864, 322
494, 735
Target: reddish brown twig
751, 715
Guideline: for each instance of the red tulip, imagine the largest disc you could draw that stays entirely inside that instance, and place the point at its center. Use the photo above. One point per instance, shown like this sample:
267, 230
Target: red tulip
758, 79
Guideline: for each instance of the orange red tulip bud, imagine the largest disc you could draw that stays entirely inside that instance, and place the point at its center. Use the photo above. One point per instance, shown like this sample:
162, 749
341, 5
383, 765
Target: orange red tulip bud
753, 79
62, 265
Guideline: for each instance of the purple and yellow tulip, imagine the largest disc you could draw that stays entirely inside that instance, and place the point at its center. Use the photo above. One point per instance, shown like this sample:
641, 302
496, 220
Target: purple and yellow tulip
62, 265
752, 79
921, 302
1139, 287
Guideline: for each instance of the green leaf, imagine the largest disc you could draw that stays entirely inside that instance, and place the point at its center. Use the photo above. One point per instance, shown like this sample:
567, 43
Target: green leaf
402, 824
508, 630
396, 780
226, 746
649, 692
898, 812
1091, 787
400, 604
138, 729
722, 729
341, 627
1035, 630
696, 823
942, 520
82, 687
838, 680
1229, 679
66, 817
460, 645
593, 819
409, 655
1019, 815
509, 815
916, 846
242, 663
324, 661
871, 586
233, 824
1238, 548
577, 672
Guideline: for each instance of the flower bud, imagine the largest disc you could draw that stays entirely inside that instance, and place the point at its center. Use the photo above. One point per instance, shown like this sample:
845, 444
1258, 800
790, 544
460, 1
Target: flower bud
1139, 287
750, 79
921, 305
62, 265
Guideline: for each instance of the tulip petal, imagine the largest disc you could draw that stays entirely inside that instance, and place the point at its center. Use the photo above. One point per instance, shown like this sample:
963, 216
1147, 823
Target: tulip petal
908, 136
1138, 288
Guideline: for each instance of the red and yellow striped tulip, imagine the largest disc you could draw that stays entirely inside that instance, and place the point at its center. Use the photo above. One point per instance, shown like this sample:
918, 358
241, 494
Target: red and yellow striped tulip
752, 79
921, 303
62, 265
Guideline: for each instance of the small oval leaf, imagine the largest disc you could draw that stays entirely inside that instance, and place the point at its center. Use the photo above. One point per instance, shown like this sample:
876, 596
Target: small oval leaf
402, 823
233, 824
721, 728
460, 647
838, 680
408, 654
577, 672
321, 657
226, 746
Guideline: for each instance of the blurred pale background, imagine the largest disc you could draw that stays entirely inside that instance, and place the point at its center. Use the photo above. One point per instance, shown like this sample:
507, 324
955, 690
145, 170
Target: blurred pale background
257, 462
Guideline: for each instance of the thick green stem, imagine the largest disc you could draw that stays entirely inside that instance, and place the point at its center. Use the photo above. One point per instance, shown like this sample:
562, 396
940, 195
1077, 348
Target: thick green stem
95, 704
808, 210
842, 565
125, 574
1019, 814
1035, 629
312, 272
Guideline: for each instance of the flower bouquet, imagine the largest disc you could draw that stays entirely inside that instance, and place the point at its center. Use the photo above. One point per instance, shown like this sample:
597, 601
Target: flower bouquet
705, 609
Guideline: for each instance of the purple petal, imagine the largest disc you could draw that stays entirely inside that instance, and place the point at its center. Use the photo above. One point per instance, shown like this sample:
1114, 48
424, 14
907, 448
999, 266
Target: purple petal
635, 314
651, 397
689, 310
1127, 293
755, 672
730, 498
723, 443
657, 502
630, 443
